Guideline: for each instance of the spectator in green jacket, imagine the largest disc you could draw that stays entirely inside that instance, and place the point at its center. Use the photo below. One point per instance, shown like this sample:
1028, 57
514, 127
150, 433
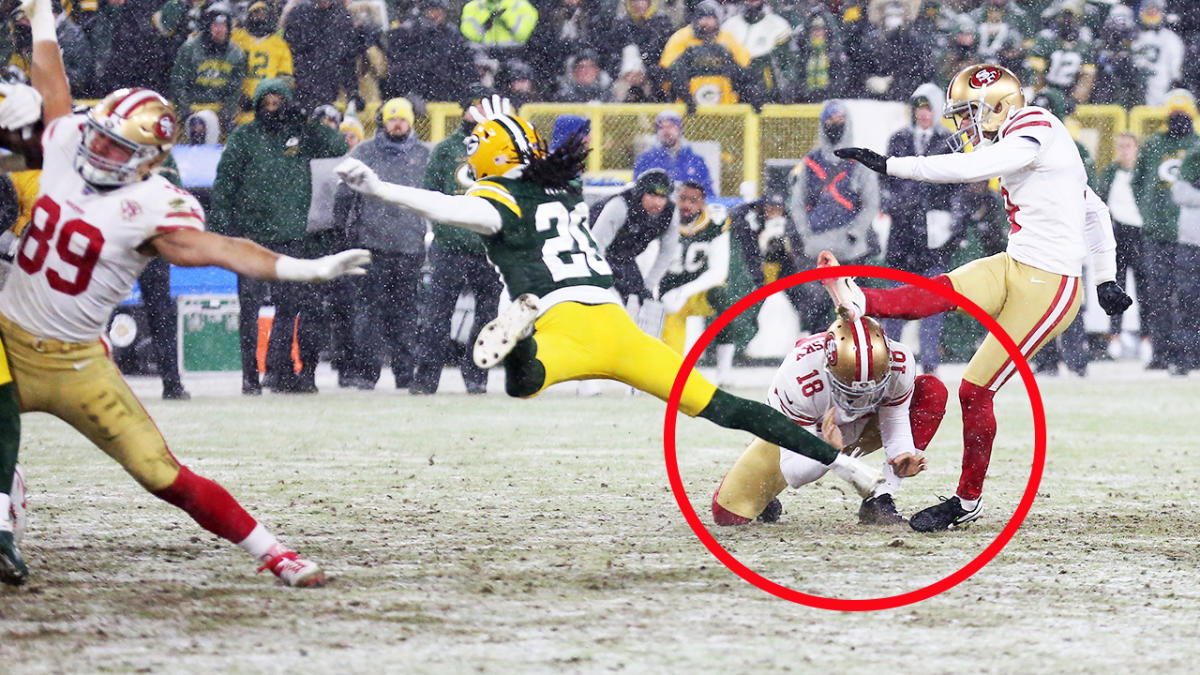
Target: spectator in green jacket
498, 23
262, 192
209, 69
458, 262
1152, 175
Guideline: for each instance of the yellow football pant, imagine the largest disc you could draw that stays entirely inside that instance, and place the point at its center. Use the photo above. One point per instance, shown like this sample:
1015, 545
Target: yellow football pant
585, 342
675, 325
79, 384
1033, 305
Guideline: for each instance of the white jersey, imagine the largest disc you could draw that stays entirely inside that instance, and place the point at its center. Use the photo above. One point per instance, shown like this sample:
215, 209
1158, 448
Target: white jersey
79, 257
1054, 219
801, 390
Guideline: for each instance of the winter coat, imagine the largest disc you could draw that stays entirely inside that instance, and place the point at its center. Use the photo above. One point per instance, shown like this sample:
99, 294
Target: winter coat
263, 186
1160, 214
208, 75
909, 201
373, 223
325, 45
447, 173
849, 241
428, 61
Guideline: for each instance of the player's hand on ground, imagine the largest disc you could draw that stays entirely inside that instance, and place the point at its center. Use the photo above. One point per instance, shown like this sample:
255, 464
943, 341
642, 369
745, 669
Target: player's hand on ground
868, 158
349, 262
908, 464
358, 176
1112, 298
830, 430
22, 105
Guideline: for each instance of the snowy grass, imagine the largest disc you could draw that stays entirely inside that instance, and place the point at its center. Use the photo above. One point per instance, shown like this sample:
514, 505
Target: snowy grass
493, 535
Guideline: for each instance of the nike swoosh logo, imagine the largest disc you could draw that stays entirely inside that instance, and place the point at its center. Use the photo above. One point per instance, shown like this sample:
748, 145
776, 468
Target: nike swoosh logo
1037, 281
80, 365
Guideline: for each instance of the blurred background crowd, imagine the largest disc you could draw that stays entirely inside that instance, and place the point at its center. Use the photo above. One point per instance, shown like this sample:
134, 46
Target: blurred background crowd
275, 93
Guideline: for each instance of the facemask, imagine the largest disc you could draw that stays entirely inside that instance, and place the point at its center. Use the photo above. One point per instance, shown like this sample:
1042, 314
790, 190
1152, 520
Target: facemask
270, 119
834, 131
1179, 125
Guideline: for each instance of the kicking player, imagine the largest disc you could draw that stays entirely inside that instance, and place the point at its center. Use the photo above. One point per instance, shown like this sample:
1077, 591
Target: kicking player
566, 321
101, 215
858, 390
1033, 288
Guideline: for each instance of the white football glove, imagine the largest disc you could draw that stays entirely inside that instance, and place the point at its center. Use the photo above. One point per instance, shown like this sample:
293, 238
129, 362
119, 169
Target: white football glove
358, 176
22, 106
349, 262
497, 106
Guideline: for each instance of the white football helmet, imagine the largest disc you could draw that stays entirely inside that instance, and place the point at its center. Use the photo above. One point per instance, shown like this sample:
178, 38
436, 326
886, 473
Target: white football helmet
858, 363
125, 136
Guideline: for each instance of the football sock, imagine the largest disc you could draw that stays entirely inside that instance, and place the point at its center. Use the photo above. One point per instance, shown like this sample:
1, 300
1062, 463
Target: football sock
979, 430
10, 435
259, 542
890, 482
927, 408
208, 504
907, 302
969, 504
762, 420
5, 505
523, 373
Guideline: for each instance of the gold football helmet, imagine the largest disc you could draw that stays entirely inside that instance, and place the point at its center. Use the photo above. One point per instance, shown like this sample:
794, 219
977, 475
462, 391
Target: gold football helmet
859, 364
125, 136
501, 141
982, 94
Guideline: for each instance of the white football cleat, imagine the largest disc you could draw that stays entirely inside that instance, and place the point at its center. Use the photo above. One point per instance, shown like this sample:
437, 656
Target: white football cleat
861, 477
501, 334
846, 294
292, 569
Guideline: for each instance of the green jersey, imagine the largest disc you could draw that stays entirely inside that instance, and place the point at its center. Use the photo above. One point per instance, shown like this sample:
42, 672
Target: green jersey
703, 247
544, 245
1061, 61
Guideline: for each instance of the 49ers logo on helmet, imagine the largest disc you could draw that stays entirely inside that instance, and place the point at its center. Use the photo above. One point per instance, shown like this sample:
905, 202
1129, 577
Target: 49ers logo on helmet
831, 358
165, 127
985, 76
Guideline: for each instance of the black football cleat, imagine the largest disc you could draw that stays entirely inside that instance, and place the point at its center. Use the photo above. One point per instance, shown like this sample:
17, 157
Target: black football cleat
12, 566
880, 510
772, 512
944, 516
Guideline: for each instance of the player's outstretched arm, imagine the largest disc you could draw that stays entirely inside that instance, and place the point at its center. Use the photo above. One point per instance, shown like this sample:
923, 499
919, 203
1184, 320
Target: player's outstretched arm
48, 73
471, 213
197, 248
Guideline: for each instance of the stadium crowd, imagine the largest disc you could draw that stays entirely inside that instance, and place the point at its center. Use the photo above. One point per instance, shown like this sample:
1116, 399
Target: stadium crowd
248, 73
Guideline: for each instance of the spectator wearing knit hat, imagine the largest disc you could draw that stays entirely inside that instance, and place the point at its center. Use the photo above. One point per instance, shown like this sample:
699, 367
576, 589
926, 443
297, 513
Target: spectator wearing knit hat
387, 295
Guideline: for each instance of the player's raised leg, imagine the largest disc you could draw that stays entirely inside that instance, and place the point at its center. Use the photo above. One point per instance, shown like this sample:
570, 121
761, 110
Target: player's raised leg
903, 302
501, 335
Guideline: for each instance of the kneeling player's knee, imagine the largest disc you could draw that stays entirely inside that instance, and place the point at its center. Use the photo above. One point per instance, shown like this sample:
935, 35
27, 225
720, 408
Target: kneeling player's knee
930, 393
723, 516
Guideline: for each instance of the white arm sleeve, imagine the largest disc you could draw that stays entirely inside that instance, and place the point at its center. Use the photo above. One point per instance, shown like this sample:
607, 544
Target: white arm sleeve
471, 213
895, 428
668, 249
1185, 194
1098, 231
609, 222
1004, 157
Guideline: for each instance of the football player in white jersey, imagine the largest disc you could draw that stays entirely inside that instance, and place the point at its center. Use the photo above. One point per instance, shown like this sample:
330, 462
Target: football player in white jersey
1032, 289
857, 390
100, 216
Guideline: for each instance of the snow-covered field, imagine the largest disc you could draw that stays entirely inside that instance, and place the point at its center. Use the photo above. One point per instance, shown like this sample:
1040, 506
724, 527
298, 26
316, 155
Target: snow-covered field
489, 534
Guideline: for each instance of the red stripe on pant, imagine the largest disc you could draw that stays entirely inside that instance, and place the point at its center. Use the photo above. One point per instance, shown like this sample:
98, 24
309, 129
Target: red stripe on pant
907, 301
208, 504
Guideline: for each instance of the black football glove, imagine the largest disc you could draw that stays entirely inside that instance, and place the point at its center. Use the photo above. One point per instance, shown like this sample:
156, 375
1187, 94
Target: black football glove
868, 158
1112, 299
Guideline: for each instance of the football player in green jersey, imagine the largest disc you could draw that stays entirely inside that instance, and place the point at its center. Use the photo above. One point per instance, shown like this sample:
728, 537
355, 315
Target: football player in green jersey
566, 321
